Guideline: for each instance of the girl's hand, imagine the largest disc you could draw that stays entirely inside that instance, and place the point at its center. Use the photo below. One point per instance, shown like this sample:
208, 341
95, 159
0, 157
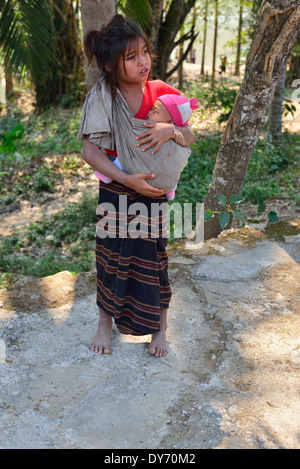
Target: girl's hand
157, 134
139, 184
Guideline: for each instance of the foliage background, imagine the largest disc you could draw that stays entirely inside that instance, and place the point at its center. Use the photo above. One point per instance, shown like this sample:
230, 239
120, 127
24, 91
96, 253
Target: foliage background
40, 158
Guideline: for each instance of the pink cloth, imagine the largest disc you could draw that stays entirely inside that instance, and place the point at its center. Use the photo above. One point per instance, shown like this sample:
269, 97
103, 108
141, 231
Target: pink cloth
179, 107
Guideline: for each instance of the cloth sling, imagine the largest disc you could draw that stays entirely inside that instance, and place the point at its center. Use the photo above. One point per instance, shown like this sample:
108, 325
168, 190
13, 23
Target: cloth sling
110, 124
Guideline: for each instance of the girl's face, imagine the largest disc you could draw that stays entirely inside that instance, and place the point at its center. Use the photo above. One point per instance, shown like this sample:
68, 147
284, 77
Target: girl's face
136, 65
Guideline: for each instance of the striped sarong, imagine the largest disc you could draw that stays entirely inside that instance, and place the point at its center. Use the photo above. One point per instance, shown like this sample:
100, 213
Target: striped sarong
132, 273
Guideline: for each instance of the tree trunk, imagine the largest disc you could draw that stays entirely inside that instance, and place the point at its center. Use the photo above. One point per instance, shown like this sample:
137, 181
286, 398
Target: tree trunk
167, 33
67, 70
72, 49
9, 87
193, 27
94, 14
276, 29
180, 69
275, 120
204, 38
157, 7
238, 50
215, 44
170, 24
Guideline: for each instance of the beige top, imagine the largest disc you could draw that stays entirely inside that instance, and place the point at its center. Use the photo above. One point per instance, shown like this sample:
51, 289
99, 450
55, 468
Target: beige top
110, 124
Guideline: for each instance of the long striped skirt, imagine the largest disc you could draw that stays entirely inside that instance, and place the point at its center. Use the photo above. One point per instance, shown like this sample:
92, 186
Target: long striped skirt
131, 258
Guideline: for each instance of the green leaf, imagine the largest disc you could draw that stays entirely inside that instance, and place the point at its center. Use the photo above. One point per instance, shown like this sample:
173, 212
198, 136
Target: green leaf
208, 215
222, 199
273, 217
236, 199
138, 10
261, 207
237, 214
9, 138
26, 35
223, 219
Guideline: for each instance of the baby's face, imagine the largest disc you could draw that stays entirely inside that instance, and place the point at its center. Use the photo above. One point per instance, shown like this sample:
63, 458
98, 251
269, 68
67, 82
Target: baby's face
159, 113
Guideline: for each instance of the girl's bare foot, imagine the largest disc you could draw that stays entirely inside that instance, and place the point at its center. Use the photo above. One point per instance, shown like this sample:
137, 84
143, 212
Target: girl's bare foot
158, 345
101, 341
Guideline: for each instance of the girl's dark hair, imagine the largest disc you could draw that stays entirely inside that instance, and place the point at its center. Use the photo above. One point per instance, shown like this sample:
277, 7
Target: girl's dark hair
109, 44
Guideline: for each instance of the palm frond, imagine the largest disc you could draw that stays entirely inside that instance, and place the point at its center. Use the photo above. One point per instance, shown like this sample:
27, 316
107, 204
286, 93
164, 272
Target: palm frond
138, 10
25, 35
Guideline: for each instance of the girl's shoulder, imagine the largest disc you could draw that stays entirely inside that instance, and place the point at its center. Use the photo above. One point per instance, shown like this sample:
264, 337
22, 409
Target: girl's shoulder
152, 91
160, 87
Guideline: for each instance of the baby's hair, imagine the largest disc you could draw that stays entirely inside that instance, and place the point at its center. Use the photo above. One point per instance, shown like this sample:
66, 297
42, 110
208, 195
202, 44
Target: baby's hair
109, 45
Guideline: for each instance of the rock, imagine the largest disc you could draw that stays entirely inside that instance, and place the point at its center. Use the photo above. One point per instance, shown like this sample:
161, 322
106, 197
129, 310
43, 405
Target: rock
295, 239
31, 294
231, 268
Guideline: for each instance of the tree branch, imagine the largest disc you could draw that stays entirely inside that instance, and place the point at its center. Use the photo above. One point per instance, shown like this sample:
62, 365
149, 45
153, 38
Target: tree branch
183, 38
187, 7
267, 12
277, 46
184, 56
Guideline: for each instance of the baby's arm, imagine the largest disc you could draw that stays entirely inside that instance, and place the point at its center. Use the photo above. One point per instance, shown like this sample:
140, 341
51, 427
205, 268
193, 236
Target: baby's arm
159, 132
184, 136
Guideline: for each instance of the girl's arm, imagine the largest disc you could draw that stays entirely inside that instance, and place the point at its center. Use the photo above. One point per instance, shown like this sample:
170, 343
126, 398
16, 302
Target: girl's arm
158, 133
184, 136
93, 156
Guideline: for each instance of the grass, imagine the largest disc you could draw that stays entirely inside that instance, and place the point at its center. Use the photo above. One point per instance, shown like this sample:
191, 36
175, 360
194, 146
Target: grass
43, 150
62, 241
273, 171
36, 162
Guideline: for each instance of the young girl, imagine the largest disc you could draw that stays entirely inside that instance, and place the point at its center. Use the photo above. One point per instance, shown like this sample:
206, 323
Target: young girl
132, 273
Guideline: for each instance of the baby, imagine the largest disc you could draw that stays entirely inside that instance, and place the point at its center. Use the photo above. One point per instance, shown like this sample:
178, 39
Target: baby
168, 108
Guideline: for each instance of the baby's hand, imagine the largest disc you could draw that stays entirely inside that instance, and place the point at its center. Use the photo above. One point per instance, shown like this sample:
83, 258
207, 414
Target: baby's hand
157, 134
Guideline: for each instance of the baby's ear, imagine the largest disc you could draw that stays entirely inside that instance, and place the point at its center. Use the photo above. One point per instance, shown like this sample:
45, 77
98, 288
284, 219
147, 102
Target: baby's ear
107, 67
